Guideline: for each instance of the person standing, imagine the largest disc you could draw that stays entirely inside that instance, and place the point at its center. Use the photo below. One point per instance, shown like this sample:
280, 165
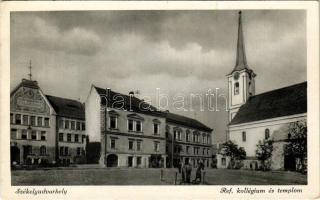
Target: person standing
188, 172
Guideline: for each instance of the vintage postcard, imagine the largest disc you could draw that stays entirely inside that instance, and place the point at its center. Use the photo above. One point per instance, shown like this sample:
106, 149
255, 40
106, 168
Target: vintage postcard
175, 100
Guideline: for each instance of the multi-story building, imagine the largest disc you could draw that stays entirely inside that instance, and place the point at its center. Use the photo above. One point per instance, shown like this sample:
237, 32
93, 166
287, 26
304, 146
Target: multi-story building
135, 134
131, 132
188, 141
34, 128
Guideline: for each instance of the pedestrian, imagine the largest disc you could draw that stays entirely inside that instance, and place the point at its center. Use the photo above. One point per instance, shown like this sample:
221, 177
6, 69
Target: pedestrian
183, 174
198, 172
188, 172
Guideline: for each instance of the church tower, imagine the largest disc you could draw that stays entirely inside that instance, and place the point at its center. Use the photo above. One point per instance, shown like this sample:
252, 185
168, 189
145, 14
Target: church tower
241, 83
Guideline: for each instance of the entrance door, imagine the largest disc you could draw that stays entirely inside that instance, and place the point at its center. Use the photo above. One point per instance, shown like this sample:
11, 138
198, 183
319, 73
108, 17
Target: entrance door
27, 150
15, 154
290, 163
130, 163
112, 160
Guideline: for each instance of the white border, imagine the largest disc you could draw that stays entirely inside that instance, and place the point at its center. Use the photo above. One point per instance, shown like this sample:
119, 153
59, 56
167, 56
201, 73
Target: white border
161, 192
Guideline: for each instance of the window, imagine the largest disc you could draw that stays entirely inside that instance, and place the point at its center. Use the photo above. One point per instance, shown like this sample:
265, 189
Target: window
78, 125
244, 136
156, 129
236, 88
194, 150
208, 140
203, 151
130, 144
175, 135
33, 135
61, 137
113, 122
156, 146
46, 122
66, 151
83, 138
207, 151
138, 160
267, 134
83, 126
11, 118
194, 137
43, 135
24, 134
61, 151
43, 150
138, 126
13, 133
32, 120
76, 138
130, 125
289, 136
60, 123
204, 139
113, 143
188, 149
68, 137
78, 151
66, 124
39, 121
73, 125
179, 135
18, 119
138, 145
187, 136
25, 120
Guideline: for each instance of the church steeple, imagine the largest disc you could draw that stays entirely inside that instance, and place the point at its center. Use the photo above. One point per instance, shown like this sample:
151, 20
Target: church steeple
241, 81
241, 61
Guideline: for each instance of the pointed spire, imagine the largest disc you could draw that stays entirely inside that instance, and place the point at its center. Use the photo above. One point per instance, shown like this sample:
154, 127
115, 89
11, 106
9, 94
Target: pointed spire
30, 68
241, 62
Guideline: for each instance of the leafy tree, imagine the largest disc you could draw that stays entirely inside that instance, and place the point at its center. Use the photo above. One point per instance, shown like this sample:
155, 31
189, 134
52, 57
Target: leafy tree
264, 153
231, 150
297, 143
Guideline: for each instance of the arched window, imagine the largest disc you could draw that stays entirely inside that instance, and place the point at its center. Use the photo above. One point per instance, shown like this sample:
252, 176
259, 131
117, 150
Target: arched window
236, 88
244, 136
43, 150
266, 134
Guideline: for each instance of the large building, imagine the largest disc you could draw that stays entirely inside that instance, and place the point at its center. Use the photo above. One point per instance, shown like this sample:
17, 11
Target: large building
34, 119
135, 134
253, 118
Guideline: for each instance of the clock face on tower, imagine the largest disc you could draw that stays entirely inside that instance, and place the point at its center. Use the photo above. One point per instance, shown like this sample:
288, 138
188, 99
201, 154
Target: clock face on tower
236, 76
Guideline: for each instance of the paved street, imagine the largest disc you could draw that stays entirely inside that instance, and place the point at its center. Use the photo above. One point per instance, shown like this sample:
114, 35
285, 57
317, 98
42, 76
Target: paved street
118, 176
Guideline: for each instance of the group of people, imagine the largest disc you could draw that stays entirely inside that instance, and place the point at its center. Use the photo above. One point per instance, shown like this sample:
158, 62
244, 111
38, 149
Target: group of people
186, 170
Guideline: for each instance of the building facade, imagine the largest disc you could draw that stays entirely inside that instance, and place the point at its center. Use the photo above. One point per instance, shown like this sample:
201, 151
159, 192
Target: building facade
188, 141
266, 116
135, 134
33, 123
130, 135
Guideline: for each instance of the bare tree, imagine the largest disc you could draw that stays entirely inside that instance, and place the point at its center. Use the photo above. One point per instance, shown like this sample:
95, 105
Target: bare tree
264, 153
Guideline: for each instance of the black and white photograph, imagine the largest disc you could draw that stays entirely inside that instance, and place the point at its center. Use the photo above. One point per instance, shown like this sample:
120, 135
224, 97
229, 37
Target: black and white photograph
159, 97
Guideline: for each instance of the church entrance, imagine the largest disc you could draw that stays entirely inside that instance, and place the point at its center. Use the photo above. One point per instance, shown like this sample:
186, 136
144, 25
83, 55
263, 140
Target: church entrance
290, 163
112, 160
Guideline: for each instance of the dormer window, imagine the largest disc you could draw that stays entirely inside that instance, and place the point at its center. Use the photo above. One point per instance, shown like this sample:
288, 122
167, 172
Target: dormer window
236, 88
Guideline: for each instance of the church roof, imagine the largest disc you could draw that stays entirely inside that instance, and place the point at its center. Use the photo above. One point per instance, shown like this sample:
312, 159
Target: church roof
67, 107
140, 106
281, 102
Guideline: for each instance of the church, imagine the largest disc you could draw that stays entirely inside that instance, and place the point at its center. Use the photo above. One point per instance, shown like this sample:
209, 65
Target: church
255, 117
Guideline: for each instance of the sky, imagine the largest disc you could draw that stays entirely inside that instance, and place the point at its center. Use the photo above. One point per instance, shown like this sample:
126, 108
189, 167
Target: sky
178, 52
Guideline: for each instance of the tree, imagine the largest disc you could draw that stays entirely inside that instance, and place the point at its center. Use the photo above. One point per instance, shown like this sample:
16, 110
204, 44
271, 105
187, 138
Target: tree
264, 153
297, 143
231, 150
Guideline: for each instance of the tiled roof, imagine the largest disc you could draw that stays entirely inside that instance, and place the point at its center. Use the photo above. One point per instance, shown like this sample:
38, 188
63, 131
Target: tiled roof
122, 101
282, 102
139, 106
26, 83
186, 121
67, 107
